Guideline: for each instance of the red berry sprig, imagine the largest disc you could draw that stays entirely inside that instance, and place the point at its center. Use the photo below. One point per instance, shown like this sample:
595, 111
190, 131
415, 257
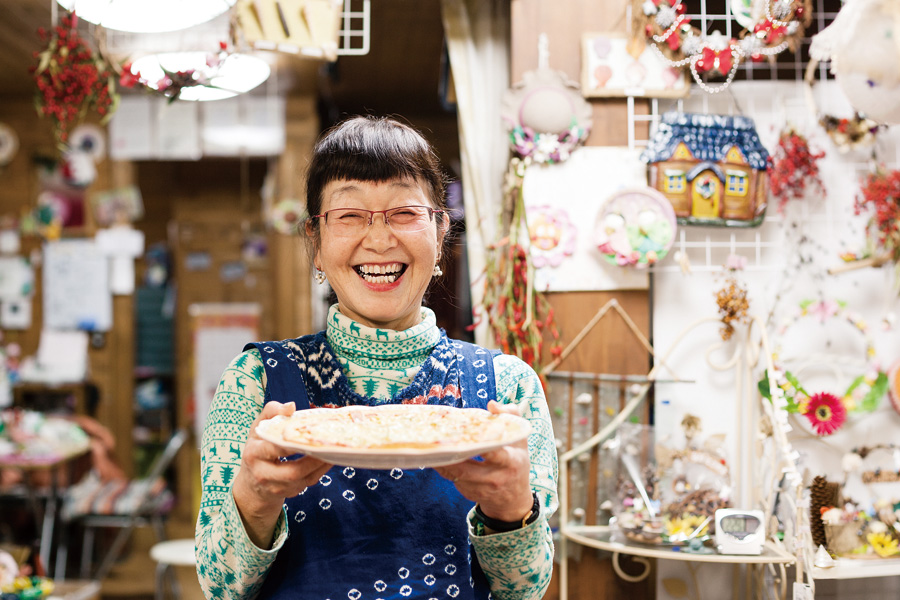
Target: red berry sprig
793, 167
71, 79
880, 193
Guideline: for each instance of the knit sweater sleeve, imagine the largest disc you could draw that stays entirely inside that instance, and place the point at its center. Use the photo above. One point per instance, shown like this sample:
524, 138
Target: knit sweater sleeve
229, 564
519, 564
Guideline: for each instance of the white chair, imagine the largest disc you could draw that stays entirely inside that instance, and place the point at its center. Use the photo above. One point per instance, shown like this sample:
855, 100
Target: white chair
172, 553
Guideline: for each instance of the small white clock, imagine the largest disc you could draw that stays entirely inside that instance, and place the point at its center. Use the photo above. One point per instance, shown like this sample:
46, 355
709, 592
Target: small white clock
740, 531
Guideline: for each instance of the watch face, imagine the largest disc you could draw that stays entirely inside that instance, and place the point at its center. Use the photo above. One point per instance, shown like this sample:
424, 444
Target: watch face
739, 526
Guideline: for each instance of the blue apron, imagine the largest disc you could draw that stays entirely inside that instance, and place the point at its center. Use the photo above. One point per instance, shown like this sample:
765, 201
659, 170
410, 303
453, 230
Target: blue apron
364, 534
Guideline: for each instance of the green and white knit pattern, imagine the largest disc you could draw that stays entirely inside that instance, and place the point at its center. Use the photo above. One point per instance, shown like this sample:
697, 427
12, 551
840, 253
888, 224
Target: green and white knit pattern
378, 363
518, 564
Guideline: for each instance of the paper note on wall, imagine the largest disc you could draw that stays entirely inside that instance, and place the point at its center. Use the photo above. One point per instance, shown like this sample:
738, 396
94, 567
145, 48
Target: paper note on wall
16, 278
76, 286
219, 332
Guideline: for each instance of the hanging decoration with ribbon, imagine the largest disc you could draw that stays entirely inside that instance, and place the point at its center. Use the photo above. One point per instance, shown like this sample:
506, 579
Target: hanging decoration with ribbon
770, 27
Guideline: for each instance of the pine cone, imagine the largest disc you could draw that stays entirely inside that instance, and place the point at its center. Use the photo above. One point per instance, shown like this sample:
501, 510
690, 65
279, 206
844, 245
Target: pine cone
821, 493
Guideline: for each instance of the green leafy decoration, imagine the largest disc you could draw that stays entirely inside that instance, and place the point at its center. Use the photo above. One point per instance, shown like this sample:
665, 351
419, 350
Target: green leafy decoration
763, 387
871, 400
794, 382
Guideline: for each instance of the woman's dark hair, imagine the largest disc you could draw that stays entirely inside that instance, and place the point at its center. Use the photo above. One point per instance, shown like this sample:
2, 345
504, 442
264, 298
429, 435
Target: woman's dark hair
373, 149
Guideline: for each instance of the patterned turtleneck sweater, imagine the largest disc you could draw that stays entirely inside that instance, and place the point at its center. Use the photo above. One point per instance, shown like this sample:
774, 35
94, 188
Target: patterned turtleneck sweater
518, 564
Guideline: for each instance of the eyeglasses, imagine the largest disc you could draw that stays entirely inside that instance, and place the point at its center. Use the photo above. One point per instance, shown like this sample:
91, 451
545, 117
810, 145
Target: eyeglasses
351, 222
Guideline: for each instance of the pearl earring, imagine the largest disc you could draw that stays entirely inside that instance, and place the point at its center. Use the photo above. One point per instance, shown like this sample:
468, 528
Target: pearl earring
320, 276
437, 271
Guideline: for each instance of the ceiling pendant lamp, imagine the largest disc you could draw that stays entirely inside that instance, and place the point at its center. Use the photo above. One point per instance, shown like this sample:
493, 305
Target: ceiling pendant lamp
147, 16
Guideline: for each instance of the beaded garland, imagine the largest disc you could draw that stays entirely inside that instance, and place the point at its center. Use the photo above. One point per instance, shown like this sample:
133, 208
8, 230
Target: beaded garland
862, 395
665, 26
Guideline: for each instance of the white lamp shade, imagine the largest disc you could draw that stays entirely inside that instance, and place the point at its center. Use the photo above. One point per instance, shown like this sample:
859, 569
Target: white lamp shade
237, 74
147, 16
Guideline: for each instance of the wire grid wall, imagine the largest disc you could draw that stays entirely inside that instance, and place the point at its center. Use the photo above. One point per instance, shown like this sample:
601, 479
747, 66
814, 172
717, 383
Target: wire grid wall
356, 27
715, 15
773, 94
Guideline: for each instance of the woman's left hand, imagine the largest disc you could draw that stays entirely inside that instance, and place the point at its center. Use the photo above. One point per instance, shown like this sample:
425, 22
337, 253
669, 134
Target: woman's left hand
499, 483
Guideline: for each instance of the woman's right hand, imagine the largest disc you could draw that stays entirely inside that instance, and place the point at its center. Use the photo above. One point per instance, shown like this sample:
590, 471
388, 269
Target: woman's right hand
265, 480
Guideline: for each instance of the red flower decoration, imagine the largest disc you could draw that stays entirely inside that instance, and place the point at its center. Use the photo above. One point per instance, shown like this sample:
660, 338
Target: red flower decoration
127, 78
826, 413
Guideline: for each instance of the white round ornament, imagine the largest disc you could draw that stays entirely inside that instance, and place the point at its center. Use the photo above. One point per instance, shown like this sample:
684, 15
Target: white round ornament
863, 44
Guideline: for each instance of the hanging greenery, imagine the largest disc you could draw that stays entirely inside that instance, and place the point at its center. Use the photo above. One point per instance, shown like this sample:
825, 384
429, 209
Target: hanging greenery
518, 315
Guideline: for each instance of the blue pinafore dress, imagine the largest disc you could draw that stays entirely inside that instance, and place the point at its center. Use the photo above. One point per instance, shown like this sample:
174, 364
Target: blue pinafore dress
362, 534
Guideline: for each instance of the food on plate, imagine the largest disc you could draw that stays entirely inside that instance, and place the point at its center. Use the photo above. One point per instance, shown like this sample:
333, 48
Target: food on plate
397, 426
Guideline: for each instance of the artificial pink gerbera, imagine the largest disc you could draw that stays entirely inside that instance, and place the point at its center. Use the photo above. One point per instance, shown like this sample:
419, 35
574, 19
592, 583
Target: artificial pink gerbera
826, 413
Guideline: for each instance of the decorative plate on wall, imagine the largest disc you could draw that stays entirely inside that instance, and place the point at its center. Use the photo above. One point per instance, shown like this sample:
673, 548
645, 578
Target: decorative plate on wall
9, 144
636, 228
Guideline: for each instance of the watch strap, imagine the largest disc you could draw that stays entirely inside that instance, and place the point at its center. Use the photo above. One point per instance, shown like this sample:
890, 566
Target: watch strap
503, 526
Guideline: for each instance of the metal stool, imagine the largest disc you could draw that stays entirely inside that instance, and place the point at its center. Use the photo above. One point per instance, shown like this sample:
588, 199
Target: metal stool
173, 553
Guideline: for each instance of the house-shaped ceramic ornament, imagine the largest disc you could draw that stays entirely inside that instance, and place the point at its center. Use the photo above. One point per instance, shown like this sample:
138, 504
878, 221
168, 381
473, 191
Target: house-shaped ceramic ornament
712, 168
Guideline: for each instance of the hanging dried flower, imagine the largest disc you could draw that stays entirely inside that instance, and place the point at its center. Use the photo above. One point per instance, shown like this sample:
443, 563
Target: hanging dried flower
518, 315
848, 134
733, 306
71, 79
794, 169
880, 194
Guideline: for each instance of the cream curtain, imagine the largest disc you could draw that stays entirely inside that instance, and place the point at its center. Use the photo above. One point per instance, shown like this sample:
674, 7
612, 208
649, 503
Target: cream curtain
477, 33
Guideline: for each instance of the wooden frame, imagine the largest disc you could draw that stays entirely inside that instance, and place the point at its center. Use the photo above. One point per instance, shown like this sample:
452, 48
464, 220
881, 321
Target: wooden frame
610, 69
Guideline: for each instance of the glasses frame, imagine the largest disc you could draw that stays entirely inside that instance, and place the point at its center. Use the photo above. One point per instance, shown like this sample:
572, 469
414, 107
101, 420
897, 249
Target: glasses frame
431, 213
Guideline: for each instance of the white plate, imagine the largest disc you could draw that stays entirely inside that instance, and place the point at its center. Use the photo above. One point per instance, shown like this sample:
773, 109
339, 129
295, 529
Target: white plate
402, 458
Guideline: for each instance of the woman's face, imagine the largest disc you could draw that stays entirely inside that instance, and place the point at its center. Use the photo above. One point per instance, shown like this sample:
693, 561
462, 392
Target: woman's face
379, 275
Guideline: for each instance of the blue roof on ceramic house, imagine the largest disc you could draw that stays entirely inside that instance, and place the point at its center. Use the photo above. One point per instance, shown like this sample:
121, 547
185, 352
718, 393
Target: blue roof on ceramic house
708, 137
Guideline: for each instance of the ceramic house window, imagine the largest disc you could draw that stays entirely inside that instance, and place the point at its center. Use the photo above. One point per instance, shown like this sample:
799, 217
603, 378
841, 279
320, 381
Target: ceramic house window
737, 183
675, 181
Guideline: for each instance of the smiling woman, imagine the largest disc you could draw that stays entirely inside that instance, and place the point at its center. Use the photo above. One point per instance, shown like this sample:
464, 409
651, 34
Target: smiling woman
277, 524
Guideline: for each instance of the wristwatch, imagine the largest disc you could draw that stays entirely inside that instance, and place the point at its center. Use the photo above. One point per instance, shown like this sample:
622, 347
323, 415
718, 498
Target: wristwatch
503, 526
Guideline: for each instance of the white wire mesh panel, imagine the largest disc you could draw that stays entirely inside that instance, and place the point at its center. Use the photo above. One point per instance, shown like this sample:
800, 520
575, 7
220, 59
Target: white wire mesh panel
354, 35
771, 93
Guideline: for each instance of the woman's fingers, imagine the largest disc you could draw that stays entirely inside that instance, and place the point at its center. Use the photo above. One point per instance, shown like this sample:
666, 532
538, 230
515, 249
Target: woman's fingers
511, 409
270, 472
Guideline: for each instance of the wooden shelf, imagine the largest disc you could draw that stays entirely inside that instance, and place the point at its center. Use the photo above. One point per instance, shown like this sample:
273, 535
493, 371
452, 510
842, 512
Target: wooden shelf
601, 537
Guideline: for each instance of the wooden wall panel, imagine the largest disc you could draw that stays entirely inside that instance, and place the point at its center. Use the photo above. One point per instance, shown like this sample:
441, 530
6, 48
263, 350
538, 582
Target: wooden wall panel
111, 360
211, 211
610, 347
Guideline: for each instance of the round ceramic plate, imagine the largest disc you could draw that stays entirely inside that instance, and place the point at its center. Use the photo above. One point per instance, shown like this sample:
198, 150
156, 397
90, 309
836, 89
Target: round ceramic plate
635, 228
395, 435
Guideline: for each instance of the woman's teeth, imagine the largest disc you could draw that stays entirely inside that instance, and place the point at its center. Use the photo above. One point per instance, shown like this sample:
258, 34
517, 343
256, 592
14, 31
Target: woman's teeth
380, 273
